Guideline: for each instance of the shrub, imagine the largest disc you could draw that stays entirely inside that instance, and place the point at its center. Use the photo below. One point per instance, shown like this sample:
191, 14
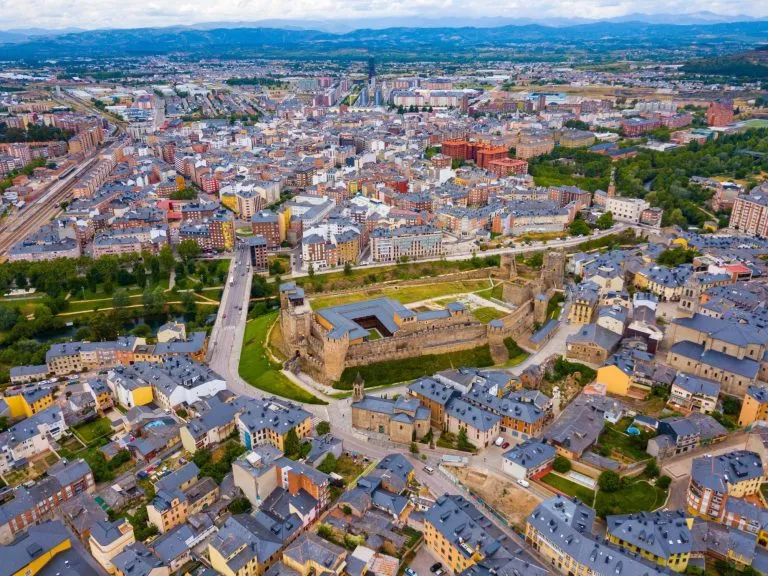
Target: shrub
323, 428
663, 482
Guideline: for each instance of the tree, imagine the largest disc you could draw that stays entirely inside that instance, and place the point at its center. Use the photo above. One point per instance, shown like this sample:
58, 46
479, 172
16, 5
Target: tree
329, 464
414, 448
188, 302
291, 445
120, 299
153, 300
311, 270
239, 506
347, 268
462, 441
652, 469
188, 250
731, 405
323, 427
579, 228
167, 261
609, 481
347, 510
604, 221
561, 464
663, 482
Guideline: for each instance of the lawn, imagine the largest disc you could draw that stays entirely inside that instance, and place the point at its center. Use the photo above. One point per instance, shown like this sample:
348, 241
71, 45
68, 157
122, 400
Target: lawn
516, 354
407, 369
570, 488
403, 294
488, 313
259, 372
636, 497
91, 431
496, 292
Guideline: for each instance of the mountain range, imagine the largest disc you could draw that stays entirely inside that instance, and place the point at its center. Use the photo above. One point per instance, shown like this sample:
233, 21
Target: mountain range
267, 39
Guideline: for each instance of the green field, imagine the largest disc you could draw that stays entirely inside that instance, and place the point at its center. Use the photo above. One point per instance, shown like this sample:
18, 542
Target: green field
570, 488
404, 294
392, 371
94, 430
487, 313
259, 372
636, 497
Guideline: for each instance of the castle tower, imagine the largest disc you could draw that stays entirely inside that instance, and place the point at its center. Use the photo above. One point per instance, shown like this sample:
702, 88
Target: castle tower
540, 303
358, 388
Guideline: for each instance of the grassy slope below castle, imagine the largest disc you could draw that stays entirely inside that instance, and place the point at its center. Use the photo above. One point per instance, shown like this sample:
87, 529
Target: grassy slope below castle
256, 369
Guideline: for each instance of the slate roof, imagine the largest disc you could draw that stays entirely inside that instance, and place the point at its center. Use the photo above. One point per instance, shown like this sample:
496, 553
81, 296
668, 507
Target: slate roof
697, 385
744, 367
472, 416
717, 472
567, 524
530, 454
433, 390
662, 534
36, 542
343, 318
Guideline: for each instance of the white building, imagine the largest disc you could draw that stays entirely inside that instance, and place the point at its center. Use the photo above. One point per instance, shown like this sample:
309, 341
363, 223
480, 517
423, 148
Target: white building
626, 209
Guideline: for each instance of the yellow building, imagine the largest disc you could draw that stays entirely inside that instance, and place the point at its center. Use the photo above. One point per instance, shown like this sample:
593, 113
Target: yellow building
452, 533
108, 539
583, 307
754, 407
616, 380
663, 538
29, 402
29, 555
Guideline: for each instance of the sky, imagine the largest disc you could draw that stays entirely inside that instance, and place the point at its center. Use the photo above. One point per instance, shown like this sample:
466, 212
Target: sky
90, 14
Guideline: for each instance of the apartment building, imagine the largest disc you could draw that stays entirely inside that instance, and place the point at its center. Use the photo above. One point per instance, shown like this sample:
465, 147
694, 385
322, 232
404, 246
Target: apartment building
406, 242
714, 480
168, 509
108, 539
750, 213
30, 506
754, 407
560, 530
663, 538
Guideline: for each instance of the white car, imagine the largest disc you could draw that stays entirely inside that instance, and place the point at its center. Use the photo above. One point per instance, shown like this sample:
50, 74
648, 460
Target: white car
524, 483
499, 441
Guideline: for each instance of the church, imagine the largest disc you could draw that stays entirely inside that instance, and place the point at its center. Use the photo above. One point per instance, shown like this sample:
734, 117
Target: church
403, 419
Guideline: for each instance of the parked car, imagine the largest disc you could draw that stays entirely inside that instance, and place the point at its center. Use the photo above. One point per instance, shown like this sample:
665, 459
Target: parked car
410, 572
435, 567
524, 483
429, 470
505, 445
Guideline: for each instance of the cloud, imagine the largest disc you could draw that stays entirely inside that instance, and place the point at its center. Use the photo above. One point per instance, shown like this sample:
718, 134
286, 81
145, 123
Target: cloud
140, 13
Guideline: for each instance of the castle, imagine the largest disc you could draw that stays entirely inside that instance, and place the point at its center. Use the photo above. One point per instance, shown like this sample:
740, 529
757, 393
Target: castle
327, 341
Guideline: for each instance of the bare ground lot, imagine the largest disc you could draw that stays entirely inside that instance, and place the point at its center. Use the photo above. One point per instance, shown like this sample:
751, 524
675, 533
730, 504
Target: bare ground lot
509, 499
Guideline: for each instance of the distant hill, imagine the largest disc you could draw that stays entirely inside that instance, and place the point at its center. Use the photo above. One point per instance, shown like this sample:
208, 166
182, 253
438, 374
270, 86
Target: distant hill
397, 42
752, 65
